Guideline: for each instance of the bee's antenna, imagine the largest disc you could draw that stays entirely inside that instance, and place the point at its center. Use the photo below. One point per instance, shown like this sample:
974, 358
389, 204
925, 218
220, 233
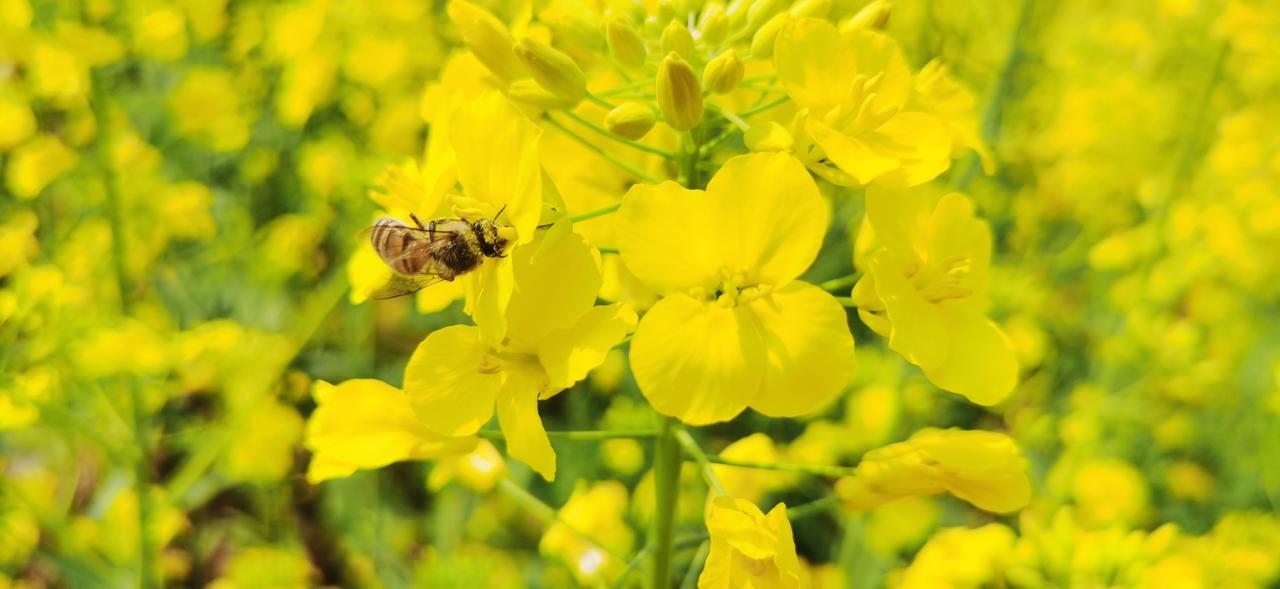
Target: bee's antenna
495, 215
416, 221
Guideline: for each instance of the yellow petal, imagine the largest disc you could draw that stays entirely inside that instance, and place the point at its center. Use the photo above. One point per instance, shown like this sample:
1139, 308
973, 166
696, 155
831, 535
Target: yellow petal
438, 296
366, 272
808, 347
922, 146
740, 523
697, 361
814, 64
954, 232
899, 219
917, 332
655, 230
773, 217
981, 364
568, 355
496, 148
362, 424
446, 382
556, 281
489, 289
527, 441
851, 154
878, 54
785, 551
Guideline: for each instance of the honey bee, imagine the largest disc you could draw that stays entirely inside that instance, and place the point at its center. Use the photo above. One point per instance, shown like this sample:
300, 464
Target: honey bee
441, 250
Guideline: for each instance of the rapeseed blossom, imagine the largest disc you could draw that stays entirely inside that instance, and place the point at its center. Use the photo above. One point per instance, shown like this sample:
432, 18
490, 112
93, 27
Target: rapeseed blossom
733, 328
749, 548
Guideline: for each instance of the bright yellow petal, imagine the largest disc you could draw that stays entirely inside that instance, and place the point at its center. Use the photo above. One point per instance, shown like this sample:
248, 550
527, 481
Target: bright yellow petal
878, 54
809, 350
496, 148
363, 424
918, 332
899, 219
556, 280
981, 364
774, 219
922, 145
366, 272
489, 289
697, 361
955, 232
743, 526
814, 64
661, 234
784, 558
851, 154
527, 441
439, 296
446, 384
568, 355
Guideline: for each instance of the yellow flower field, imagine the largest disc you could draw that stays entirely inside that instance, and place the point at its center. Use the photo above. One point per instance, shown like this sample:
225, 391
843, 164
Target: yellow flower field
613, 294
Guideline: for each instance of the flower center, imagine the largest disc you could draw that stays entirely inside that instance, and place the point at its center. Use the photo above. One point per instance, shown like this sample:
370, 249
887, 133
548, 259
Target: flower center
942, 280
504, 360
733, 290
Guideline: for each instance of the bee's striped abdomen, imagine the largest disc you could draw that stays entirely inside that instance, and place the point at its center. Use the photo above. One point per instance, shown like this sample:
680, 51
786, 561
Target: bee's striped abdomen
398, 246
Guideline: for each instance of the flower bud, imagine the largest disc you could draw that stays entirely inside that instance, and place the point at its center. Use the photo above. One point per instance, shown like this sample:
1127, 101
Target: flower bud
676, 37
762, 42
630, 120
679, 94
723, 73
761, 11
487, 38
873, 16
714, 25
625, 43
530, 92
553, 70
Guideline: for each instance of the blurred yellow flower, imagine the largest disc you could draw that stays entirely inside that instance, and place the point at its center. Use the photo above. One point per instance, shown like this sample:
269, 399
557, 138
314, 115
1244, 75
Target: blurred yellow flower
266, 566
1109, 491
854, 89
367, 424
597, 512
556, 337
478, 470
734, 328
961, 557
926, 291
749, 549
17, 122
36, 164
206, 107
983, 468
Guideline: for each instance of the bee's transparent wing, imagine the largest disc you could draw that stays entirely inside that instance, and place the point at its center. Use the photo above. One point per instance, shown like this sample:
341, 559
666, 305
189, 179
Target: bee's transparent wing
401, 285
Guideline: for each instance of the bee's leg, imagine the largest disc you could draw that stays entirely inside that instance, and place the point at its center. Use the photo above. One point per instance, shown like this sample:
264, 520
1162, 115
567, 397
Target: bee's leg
416, 221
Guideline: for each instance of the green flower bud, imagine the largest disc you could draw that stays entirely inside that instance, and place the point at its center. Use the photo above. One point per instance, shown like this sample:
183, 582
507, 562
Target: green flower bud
714, 25
487, 38
873, 17
553, 70
630, 120
762, 42
679, 94
677, 38
625, 43
723, 73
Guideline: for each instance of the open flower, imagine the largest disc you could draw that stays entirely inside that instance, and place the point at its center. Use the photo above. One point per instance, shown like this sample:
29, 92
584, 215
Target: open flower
854, 89
734, 329
748, 548
592, 514
983, 468
366, 424
926, 291
555, 336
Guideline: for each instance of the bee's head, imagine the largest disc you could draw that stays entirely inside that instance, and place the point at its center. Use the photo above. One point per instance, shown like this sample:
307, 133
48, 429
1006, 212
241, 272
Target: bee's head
492, 237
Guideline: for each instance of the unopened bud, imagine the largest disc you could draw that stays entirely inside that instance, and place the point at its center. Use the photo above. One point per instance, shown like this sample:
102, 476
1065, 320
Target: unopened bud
625, 43
714, 25
723, 73
762, 42
530, 92
630, 120
873, 16
761, 11
679, 94
487, 38
676, 37
811, 8
553, 70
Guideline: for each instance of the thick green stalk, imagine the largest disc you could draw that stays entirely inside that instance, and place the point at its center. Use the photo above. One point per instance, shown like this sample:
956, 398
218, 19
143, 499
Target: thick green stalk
666, 470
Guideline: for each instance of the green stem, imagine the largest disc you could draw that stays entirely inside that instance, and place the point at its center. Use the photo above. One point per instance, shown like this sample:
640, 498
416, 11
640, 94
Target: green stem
600, 101
140, 419
689, 162
624, 88
580, 436
812, 508
822, 470
693, 450
625, 166
729, 116
605, 133
695, 565
600, 212
847, 301
666, 471
841, 282
759, 109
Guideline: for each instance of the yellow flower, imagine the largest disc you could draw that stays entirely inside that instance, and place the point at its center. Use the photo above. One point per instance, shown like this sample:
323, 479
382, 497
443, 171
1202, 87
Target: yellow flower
749, 483
596, 512
734, 328
1109, 491
983, 468
17, 122
366, 424
926, 291
960, 557
555, 337
853, 89
37, 164
206, 108
478, 470
749, 550
938, 93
